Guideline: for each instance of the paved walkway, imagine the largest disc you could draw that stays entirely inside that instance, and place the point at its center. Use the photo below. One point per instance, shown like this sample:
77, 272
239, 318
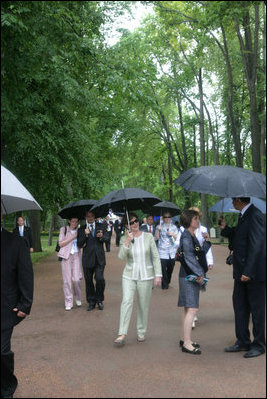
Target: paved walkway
61, 354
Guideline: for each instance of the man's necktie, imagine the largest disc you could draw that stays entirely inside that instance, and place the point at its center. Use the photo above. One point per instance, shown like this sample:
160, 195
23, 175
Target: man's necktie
92, 230
150, 229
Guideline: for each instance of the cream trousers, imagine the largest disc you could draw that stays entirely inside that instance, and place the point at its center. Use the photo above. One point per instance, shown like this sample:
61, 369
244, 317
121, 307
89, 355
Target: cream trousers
144, 290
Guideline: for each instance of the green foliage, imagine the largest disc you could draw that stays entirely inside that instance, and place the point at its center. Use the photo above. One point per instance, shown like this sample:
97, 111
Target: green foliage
79, 116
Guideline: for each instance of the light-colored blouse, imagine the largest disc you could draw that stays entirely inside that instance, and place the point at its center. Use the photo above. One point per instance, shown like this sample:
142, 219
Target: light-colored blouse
142, 258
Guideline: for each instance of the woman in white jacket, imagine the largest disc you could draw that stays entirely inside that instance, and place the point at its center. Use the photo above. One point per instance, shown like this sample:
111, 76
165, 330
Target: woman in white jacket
141, 272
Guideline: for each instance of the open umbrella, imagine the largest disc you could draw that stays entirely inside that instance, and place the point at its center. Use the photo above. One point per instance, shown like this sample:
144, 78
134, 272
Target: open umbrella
165, 206
77, 209
14, 196
123, 200
224, 181
226, 205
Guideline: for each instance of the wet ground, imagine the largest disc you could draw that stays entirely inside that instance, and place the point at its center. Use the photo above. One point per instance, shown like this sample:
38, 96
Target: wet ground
60, 354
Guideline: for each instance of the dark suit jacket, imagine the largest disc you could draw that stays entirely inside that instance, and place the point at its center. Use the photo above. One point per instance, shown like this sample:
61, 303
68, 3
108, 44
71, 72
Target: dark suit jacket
248, 241
145, 228
93, 251
27, 235
118, 227
16, 279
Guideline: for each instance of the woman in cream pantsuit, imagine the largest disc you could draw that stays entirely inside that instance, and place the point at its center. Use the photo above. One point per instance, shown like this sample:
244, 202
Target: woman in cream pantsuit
143, 268
71, 263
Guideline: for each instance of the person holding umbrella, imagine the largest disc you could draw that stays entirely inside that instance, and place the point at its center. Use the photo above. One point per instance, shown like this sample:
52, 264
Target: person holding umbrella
248, 240
91, 237
71, 263
166, 236
143, 268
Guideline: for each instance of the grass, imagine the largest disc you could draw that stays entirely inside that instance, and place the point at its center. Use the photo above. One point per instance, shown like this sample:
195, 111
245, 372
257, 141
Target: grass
47, 250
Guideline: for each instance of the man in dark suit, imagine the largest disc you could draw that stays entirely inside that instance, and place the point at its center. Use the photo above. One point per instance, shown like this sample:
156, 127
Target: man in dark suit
248, 240
118, 228
149, 226
24, 231
108, 226
91, 238
16, 301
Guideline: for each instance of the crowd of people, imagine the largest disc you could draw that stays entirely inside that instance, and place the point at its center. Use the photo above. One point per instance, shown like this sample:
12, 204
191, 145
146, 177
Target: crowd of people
149, 250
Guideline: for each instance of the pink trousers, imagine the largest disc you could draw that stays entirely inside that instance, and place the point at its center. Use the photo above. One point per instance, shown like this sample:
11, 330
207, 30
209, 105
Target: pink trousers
72, 275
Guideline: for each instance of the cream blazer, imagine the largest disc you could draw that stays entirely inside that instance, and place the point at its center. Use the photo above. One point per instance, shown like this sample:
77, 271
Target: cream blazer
142, 258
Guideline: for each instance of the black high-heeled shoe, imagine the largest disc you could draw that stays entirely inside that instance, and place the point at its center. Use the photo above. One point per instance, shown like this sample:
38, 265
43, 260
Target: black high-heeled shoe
194, 344
195, 351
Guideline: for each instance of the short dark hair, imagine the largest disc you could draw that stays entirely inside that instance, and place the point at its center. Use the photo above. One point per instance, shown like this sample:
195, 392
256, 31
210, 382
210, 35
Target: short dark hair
245, 200
187, 216
131, 215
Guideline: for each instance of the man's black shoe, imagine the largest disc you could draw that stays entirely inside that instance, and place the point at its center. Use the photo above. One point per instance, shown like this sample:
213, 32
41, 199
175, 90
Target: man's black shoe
236, 348
100, 305
254, 352
91, 306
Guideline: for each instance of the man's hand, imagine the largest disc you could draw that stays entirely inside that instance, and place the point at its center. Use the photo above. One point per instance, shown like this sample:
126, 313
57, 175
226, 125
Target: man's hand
20, 313
244, 279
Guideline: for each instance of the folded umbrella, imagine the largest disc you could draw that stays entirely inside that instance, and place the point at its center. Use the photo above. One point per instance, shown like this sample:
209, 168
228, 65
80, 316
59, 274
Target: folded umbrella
14, 196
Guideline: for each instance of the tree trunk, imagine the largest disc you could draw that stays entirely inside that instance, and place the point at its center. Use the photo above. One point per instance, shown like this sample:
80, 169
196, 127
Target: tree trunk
202, 145
250, 62
35, 224
51, 229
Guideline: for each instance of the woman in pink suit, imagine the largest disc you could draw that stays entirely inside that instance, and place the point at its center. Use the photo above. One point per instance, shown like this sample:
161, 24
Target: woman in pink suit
71, 263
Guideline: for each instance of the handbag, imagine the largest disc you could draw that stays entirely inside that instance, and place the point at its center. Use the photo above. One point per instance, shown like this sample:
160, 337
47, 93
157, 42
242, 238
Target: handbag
199, 254
58, 247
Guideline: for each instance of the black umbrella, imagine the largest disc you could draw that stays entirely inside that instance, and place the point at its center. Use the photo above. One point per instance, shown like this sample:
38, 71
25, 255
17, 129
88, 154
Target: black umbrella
123, 200
224, 181
165, 206
77, 209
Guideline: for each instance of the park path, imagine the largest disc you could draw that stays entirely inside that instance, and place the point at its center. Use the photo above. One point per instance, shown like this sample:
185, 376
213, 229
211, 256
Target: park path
61, 354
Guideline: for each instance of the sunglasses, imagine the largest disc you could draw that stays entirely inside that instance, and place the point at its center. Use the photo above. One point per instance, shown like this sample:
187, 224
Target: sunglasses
134, 221
166, 217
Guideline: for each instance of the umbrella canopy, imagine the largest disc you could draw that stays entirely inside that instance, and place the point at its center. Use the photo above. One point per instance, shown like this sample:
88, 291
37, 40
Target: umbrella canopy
14, 196
125, 199
224, 181
226, 205
165, 206
77, 209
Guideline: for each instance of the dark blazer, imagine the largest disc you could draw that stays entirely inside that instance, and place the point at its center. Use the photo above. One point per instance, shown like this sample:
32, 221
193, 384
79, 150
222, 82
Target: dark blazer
27, 235
118, 227
93, 250
248, 240
16, 279
145, 228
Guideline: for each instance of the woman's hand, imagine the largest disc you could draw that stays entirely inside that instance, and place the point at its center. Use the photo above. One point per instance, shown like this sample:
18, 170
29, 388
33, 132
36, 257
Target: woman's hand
206, 236
199, 280
157, 281
129, 238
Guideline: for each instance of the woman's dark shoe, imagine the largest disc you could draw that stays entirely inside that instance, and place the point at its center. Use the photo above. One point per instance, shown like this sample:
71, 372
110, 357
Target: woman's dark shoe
194, 344
195, 351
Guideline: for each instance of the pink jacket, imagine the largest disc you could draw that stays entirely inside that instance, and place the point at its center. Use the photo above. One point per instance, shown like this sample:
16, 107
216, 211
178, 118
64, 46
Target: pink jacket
65, 243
